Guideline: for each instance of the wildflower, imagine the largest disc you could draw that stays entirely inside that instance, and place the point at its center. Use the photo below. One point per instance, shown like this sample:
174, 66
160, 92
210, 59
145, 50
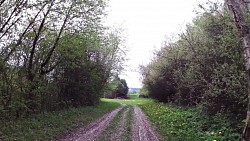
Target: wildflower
214, 140
220, 132
212, 133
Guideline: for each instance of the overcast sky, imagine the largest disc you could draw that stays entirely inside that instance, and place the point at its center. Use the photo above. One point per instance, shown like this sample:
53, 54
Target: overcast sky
146, 24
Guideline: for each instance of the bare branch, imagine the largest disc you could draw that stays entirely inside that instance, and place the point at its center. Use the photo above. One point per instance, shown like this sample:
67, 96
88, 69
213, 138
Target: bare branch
19, 41
32, 52
46, 61
1, 2
43, 72
6, 31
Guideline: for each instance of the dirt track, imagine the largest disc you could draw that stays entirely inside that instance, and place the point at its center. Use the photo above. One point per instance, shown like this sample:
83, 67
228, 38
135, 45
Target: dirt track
141, 129
92, 131
117, 135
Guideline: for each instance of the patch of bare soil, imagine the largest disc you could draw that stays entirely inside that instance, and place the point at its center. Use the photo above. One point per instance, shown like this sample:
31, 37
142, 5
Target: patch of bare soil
92, 131
117, 135
142, 131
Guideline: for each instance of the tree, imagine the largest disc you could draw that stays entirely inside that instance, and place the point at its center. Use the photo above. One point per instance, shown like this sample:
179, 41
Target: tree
55, 54
119, 88
122, 88
203, 68
239, 8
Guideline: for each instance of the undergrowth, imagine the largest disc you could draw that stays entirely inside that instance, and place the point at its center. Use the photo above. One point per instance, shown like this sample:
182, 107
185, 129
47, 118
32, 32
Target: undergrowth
51, 125
190, 124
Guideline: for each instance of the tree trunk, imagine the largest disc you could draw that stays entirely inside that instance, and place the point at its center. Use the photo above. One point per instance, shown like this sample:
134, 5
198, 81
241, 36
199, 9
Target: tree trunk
238, 7
246, 131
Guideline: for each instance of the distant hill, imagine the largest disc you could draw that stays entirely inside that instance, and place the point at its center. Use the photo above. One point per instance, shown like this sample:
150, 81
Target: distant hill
134, 89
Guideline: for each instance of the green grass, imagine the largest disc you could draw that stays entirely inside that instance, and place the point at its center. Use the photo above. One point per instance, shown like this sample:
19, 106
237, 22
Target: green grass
133, 96
184, 124
188, 124
128, 134
173, 123
51, 125
134, 100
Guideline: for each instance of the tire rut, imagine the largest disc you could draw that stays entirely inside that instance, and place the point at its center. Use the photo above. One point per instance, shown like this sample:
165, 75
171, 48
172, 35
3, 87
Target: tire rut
92, 131
142, 131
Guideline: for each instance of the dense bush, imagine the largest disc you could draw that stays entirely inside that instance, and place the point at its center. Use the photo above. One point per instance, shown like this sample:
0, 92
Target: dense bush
203, 68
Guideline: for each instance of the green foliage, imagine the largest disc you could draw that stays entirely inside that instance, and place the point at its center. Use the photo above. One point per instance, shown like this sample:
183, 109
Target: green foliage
79, 78
117, 88
122, 88
53, 61
176, 123
203, 68
143, 92
189, 124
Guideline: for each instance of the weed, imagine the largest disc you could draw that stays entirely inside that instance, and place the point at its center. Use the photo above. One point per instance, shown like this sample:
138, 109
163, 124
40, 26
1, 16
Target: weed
51, 125
189, 124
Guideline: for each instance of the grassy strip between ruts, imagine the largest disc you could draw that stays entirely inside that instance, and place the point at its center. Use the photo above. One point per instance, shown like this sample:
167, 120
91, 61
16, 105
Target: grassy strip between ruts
188, 124
113, 128
129, 123
51, 125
